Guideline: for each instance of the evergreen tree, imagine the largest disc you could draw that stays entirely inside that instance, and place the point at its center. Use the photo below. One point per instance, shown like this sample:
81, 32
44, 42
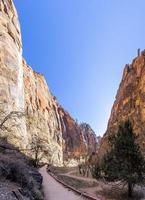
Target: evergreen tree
96, 171
124, 161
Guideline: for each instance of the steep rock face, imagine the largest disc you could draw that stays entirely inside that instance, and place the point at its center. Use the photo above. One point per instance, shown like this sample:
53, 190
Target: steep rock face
79, 140
11, 71
64, 138
129, 103
90, 139
25, 91
42, 111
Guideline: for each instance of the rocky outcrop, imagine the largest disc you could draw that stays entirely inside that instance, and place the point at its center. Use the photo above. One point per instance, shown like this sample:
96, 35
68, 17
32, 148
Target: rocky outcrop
20, 180
129, 103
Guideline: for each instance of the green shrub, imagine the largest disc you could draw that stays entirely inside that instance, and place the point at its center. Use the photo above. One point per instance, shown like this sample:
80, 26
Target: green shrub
96, 171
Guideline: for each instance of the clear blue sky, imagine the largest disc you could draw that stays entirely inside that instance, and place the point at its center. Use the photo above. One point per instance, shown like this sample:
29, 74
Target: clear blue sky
81, 46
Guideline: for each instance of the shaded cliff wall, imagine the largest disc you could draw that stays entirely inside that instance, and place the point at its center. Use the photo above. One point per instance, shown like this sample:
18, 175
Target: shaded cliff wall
129, 103
79, 139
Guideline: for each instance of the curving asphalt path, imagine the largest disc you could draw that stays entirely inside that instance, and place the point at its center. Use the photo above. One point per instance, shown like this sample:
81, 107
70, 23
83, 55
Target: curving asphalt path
54, 190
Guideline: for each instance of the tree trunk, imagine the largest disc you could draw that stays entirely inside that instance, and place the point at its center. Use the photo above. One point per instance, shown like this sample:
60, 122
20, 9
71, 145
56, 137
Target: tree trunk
80, 169
36, 159
130, 190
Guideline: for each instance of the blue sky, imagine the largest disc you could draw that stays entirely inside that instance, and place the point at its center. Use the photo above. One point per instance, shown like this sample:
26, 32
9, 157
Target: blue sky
81, 47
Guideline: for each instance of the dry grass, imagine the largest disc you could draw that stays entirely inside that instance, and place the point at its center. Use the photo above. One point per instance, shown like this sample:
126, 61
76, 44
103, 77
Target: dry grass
119, 195
78, 184
62, 170
115, 191
103, 190
72, 181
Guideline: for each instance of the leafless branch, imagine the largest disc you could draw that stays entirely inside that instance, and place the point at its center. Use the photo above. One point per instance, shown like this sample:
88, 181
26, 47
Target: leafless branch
11, 115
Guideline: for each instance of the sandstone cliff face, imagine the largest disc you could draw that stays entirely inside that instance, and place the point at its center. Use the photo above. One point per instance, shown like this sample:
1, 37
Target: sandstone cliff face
129, 103
11, 71
79, 140
42, 111
90, 139
23, 90
65, 140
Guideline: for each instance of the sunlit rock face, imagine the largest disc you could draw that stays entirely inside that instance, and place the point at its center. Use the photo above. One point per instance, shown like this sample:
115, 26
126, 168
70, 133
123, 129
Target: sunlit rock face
67, 141
43, 118
91, 141
11, 71
129, 103
25, 91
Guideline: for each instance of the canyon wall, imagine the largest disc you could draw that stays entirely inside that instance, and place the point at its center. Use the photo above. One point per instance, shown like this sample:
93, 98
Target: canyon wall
33, 112
43, 119
67, 141
129, 103
11, 73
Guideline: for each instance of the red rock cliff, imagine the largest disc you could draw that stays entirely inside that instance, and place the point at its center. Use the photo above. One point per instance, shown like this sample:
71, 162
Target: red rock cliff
129, 103
66, 140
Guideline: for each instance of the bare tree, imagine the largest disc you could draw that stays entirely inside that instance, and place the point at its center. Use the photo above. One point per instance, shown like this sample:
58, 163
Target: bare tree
6, 117
38, 149
41, 151
8, 121
87, 165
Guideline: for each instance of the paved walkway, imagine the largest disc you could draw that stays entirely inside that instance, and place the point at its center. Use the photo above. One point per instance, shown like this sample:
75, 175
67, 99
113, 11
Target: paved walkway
54, 190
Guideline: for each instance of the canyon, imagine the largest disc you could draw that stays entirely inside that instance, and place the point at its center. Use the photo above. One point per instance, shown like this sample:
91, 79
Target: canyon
32, 109
22, 90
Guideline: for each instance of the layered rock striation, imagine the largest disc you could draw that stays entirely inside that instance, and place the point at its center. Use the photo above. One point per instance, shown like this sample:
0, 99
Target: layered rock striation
129, 103
25, 91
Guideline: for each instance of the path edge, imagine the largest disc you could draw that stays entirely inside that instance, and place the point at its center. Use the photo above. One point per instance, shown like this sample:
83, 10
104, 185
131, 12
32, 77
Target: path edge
72, 188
